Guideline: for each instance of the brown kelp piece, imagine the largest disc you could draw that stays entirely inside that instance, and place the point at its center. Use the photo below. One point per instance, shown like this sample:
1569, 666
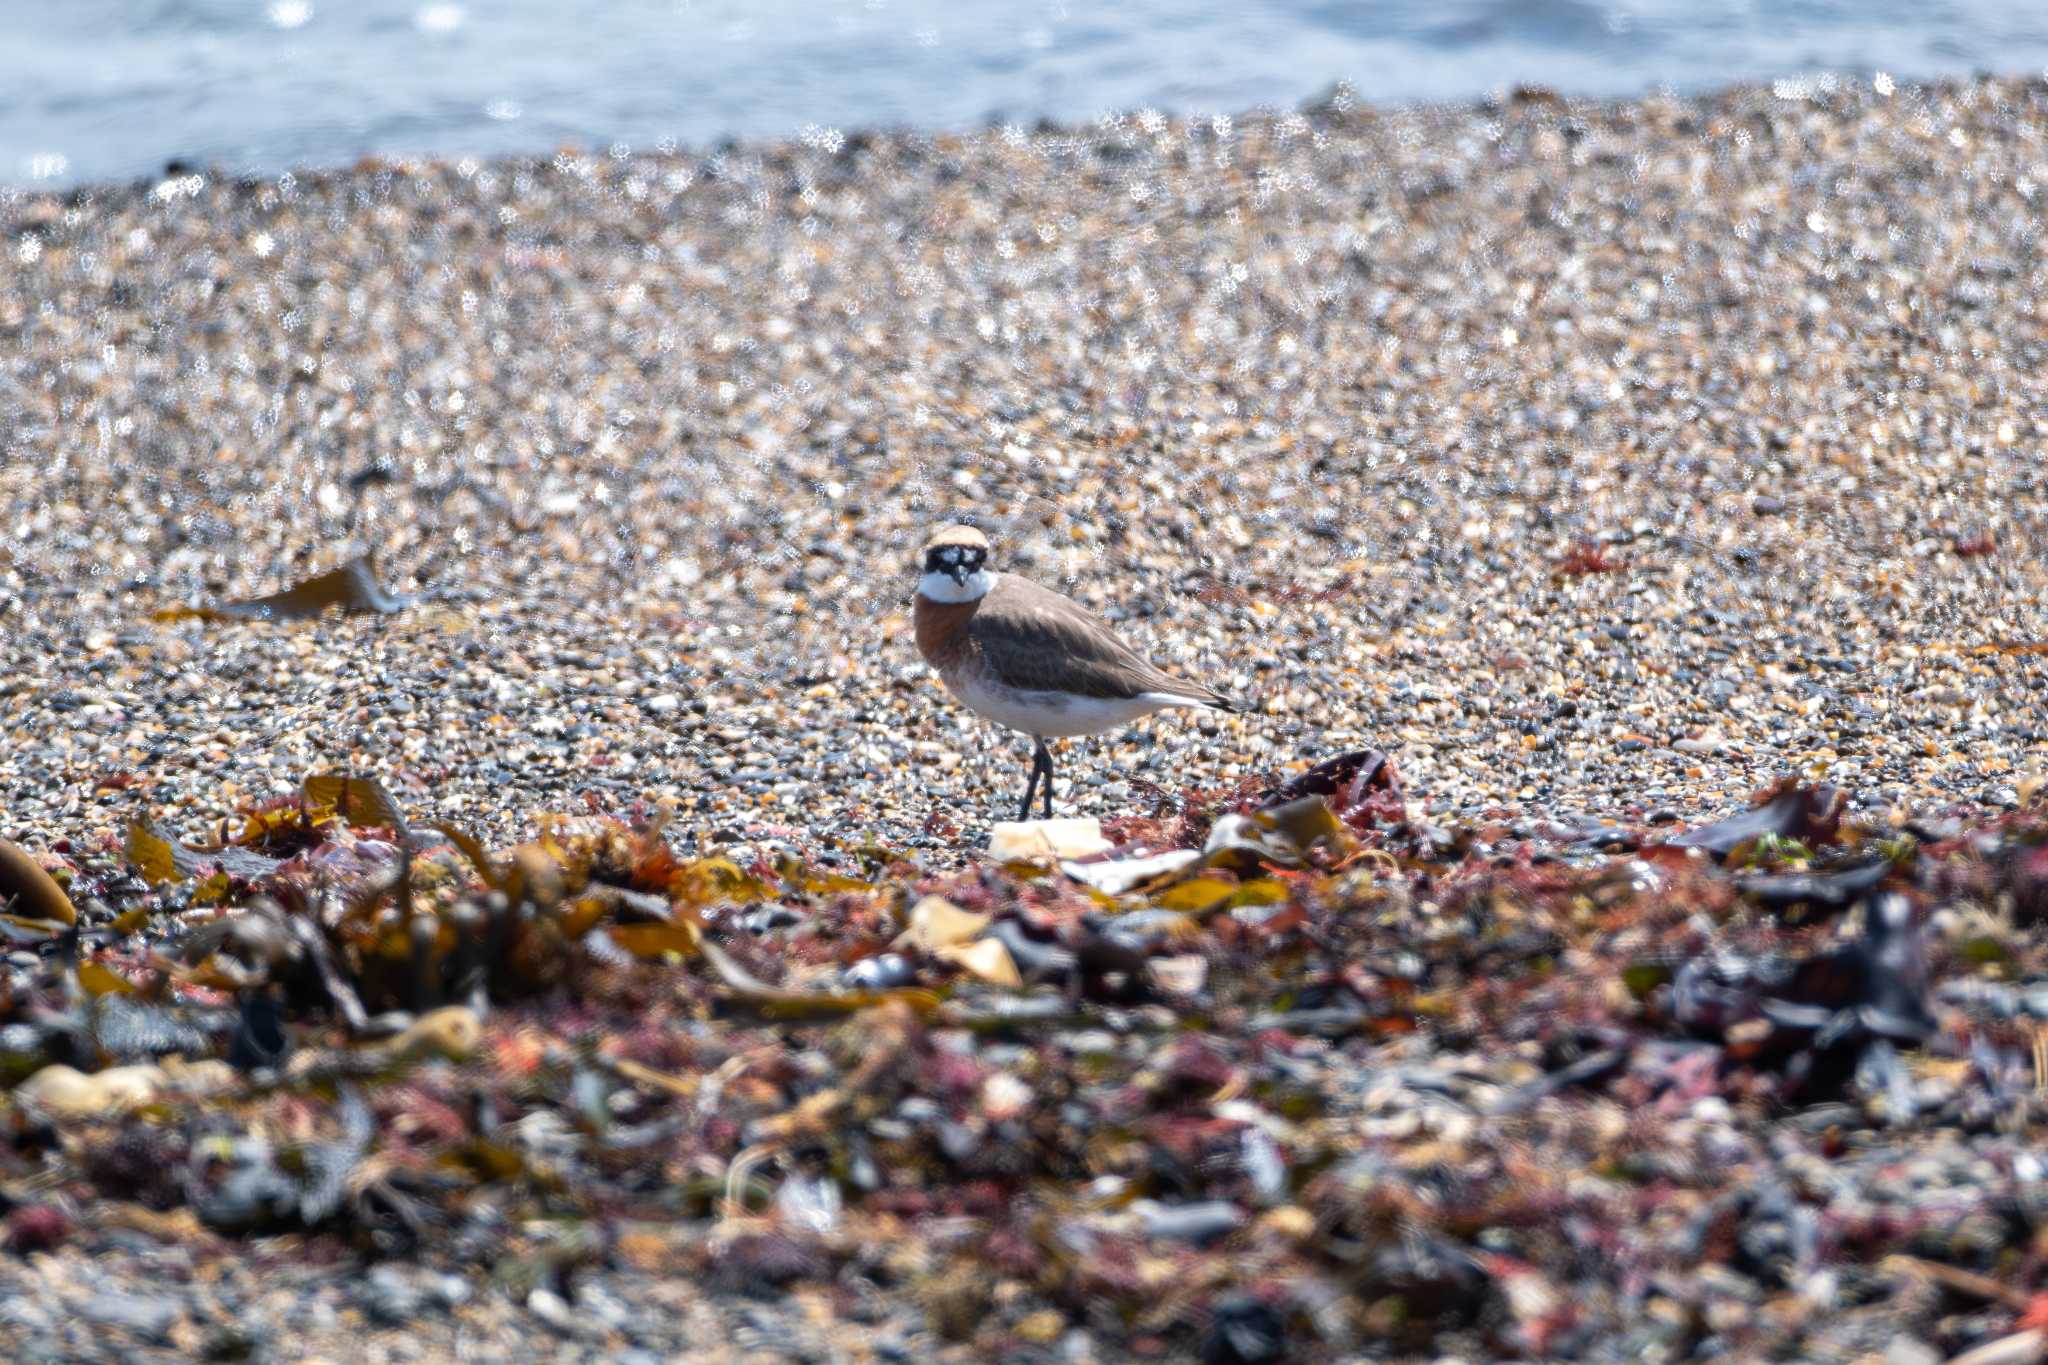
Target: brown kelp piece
358, 802
1834, 889
1283, 833
353, 588
1361, 787
745, 990
161, 860
152, 855
451, 1033
1811, 815
469, 846
30, 892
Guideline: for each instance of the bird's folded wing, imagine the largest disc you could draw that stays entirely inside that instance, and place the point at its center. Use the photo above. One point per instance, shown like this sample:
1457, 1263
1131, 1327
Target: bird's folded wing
1036, 639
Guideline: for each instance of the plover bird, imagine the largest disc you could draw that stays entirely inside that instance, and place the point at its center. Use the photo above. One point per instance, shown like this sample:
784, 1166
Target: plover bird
1029, 658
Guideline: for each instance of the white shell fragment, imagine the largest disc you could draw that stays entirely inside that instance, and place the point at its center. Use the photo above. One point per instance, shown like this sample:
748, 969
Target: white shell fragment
1044, 841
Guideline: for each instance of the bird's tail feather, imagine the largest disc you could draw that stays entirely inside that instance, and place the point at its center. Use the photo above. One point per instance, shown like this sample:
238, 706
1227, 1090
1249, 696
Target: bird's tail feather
1207, 697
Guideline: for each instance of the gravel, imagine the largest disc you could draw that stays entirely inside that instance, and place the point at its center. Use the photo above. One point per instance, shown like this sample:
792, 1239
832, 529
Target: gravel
60, 1307
1314, 405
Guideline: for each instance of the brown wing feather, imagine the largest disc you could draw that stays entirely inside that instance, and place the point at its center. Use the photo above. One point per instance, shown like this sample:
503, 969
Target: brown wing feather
1032, 637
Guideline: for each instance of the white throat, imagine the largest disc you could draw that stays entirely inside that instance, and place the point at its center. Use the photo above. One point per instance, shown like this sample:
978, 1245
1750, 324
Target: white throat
938, 587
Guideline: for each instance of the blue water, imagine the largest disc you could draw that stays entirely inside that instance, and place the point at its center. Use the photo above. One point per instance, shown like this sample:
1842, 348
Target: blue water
98, 89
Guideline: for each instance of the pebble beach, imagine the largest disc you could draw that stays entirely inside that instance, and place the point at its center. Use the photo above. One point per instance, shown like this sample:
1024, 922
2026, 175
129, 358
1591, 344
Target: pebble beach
1319, 407
1603, 463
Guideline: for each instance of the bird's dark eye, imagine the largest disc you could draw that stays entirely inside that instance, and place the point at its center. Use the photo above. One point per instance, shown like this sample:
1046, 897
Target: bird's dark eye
948, 558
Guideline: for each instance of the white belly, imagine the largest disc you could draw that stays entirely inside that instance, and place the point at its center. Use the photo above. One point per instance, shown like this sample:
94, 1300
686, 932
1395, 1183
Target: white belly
1052, 715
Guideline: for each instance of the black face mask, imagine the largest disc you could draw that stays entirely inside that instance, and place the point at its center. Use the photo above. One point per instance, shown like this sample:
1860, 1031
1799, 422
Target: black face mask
956, 562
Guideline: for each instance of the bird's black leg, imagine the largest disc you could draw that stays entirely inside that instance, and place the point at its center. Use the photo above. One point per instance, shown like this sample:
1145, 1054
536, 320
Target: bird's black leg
1024, 811
1043, 760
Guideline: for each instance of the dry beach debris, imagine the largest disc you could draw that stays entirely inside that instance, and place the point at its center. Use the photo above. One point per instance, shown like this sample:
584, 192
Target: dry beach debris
1334, 1078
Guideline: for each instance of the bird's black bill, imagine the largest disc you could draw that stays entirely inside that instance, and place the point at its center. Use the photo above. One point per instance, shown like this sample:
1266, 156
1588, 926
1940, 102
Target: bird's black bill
958, 573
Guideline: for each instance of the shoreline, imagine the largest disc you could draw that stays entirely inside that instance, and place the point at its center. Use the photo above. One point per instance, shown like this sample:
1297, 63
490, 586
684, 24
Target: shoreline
1338, 94
1490, 100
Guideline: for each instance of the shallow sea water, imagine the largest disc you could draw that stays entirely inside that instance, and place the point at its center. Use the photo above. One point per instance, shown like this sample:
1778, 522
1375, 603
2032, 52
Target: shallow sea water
109, 89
